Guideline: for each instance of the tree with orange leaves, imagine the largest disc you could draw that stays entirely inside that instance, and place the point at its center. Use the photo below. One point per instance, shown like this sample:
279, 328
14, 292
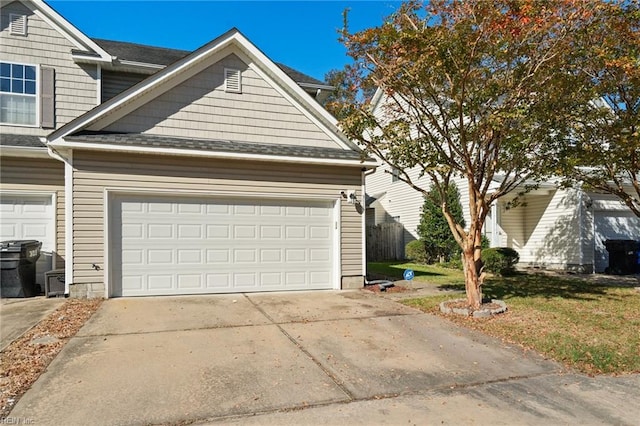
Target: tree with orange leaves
469, 90
603, 152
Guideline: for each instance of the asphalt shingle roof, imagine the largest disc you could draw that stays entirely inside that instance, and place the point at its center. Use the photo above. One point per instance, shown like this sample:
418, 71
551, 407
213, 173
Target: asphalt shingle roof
163, 56
154, 141
27, 141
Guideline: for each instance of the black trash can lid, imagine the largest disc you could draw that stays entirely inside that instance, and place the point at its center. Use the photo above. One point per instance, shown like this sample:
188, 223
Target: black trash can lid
16, 244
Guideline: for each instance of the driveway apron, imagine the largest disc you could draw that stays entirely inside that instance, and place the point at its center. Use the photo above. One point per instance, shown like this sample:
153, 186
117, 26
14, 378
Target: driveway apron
273, 358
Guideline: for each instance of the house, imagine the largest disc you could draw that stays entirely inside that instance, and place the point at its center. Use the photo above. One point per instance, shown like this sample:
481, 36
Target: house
149, 171
552, 228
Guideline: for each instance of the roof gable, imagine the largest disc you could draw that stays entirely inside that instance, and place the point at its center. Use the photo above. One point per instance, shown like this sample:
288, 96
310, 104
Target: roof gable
180, 71
201, 107
84, 45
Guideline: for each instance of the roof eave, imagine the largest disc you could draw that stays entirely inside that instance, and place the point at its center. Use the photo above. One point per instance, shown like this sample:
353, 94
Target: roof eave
24, 151
61, 144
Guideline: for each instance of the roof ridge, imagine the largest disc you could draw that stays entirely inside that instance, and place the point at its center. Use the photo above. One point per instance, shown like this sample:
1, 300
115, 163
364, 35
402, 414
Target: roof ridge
98, 40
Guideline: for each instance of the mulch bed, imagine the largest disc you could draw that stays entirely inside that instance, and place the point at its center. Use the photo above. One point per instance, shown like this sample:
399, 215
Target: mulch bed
22, 362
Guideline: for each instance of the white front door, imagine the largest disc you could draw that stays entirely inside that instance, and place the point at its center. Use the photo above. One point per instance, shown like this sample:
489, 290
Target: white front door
170, 245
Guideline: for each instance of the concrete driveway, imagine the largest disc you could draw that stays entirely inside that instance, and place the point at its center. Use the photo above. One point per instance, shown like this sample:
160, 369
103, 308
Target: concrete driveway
17, 316
346, 357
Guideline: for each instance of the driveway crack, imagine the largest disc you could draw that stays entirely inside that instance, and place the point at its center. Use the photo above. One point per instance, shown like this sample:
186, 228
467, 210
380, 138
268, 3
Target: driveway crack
297, 344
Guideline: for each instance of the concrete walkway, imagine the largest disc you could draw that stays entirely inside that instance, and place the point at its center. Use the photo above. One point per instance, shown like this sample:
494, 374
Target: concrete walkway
327, 358
17, 316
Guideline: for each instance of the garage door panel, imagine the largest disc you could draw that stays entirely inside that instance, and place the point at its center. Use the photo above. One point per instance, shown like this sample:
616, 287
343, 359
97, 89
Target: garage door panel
160, 282
30, 217
218, 282
612, 225
211, 245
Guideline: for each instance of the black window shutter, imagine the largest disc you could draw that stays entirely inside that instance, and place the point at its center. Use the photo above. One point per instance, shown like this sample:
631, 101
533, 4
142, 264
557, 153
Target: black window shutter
47, 98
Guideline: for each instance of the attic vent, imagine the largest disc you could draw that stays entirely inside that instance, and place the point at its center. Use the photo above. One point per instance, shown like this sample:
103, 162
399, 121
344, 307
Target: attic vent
232, 80
18, 24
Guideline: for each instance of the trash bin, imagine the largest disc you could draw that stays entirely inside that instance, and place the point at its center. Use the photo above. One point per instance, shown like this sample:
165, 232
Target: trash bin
623, 257
18, 268
54, 283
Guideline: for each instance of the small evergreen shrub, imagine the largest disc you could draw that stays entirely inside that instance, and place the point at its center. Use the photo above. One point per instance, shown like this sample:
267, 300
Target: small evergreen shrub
434, 231
485, 243
416, 252
500, 260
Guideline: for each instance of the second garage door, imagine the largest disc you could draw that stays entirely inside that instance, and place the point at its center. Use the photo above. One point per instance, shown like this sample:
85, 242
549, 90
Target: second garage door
170, 246
613, 225
30, 217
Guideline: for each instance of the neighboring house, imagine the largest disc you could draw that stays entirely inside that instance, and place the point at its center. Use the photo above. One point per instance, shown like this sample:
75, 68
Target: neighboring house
149, 171
553, 228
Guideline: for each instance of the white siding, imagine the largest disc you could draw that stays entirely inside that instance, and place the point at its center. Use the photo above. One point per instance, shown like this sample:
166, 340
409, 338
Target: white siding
546, 229
201, 108
400, 203
403, 203
75, 84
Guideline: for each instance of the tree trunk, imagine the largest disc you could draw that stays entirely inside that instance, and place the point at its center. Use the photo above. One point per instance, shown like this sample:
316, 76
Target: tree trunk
473, 275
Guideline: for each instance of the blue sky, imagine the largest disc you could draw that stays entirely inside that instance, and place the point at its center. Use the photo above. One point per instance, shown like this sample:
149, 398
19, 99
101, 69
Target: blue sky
300, 34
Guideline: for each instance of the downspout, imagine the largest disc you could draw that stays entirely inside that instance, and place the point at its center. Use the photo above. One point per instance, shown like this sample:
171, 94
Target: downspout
364, 221
68, 213
495, 236
99, 84
580, 230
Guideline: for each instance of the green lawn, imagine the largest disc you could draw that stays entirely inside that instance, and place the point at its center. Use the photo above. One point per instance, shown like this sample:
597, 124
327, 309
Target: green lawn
432, 274
593, 328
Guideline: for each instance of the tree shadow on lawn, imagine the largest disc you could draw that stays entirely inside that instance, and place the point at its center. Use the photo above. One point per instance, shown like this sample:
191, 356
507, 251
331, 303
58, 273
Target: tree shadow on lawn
523, 285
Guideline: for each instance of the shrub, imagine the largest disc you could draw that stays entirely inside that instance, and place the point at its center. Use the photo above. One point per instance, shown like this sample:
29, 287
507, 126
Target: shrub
454, 263
434, 231
415, 251
485, 243
500, 260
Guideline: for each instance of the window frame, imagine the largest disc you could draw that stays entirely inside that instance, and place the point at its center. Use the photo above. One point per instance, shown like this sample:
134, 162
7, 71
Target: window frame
36, 96
395, 175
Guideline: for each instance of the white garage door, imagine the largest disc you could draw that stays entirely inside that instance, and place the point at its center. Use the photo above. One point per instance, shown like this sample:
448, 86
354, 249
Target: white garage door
30, 217
169, 246
613, 225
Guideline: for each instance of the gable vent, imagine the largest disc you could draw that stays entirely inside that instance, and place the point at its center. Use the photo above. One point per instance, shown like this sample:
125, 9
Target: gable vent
232, 80
18, 24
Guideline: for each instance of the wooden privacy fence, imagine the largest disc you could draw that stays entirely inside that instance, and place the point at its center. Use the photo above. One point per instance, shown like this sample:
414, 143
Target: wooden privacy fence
385, 241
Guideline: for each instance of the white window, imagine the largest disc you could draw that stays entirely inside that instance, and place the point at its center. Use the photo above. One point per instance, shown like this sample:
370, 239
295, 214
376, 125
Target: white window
395, 175
18, 24
18, 94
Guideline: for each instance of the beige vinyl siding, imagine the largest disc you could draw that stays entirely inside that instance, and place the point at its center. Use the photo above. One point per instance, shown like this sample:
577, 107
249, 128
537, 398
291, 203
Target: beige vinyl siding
201, 108
95, 172
37, 175
75, 84
114, 83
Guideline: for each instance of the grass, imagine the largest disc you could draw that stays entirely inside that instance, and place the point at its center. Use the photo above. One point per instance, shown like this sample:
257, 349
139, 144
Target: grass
593, 328
430, 274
